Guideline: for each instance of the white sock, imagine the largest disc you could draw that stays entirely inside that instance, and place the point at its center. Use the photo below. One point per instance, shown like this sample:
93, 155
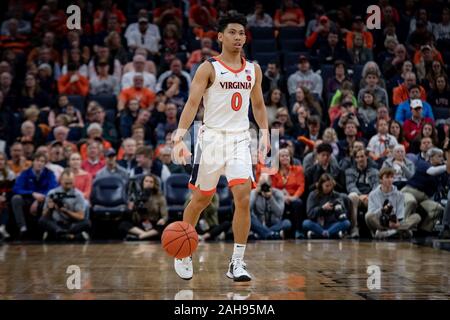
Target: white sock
238, 251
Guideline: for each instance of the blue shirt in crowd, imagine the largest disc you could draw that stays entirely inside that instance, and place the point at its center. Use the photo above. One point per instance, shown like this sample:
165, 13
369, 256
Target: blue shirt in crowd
27, 182
404, 113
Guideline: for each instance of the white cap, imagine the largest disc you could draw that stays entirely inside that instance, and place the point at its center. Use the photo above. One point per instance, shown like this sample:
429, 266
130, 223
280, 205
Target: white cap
416, 103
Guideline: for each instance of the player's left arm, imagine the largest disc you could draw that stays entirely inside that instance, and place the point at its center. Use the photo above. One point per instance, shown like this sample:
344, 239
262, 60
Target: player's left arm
259, 108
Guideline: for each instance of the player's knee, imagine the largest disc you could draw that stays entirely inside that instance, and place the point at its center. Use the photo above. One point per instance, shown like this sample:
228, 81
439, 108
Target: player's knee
242, 202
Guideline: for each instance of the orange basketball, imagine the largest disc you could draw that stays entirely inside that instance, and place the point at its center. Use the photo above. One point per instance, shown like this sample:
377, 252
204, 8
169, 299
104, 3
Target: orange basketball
179, 239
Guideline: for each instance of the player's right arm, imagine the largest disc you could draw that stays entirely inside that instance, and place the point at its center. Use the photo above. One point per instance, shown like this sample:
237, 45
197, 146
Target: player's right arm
198, 86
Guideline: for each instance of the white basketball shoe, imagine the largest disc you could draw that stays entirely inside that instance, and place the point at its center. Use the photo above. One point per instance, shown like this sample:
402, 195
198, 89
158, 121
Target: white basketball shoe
237, 270
184, 268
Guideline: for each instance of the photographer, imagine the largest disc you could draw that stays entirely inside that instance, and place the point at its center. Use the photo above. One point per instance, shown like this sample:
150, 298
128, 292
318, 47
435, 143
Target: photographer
148, 209
386, 213
267, 206
63, 215
327, 210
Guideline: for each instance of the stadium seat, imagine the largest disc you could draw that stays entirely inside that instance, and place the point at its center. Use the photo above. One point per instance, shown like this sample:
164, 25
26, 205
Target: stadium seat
176, 192
263, 46
441, 113
79, 102
292, 33
106, 101
108, 198
290, 59
262, 33
225, 199
264, 58
292, 45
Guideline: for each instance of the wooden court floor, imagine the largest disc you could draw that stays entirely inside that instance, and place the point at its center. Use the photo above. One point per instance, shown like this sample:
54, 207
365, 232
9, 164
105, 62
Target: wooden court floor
282, 270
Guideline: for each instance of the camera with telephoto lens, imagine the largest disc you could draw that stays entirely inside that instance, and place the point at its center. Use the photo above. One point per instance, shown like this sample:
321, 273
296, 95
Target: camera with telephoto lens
265, 187
141, 199
387, 214
59, 197
339, 210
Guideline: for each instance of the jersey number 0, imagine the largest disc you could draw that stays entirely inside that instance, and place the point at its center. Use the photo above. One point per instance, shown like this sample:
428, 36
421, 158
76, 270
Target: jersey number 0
236, 101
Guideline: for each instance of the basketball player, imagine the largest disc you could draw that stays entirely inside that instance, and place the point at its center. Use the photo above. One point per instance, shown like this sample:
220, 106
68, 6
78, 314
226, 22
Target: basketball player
226, 82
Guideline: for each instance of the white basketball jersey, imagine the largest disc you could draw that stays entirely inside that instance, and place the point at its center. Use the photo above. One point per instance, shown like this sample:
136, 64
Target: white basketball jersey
227, 100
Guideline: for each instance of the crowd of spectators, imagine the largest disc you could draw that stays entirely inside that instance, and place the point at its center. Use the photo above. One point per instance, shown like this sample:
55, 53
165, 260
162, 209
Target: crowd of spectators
363, 116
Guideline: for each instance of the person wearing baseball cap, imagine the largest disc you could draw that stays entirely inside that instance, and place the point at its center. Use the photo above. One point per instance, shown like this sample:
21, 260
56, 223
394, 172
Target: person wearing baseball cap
111, 168
358, 26
413, 126
305, 77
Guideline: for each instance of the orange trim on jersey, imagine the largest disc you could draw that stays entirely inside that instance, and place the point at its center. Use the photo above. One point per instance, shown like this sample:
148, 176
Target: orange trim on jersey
228, 68
235, 182
204, 192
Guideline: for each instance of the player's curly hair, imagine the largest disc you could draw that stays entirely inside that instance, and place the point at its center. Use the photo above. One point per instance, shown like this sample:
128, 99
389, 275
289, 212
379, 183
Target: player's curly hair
231, 18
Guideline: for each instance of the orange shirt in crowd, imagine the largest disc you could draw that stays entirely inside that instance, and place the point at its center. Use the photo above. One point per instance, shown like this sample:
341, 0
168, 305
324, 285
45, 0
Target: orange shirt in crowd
401, 93
18, 168
290, 15
79, 88
83, 149
295, 183
196, 57
367, 37
93, 168
146, 97
83, 182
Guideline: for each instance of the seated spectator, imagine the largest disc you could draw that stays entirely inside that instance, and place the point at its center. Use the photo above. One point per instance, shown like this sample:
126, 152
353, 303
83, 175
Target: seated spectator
174, 94
149, 65
65, 218
413, 126
372, 67
96, 114
62, 102
267, 208
165, 156
347, 111
128, 117
360, 180
82, 179
402, 166
327, 211
103, 54
49, 17
18, 161
128, 161
400, 77
29, 132
333, 50
329, 136
175, 69
13, 40
102, 83
439, 97
319, 36
202, 19
441, 30
7, 178
112, 168
148, 208
73, 83
76, 59
94, 132
323, 164
420, 36
380, 145
301, 125
396, 129
146, 97
386, 212
305, 77
367, 108
146, 164
17, 15
30, 190
358, 26
108, 9
372, 84
54, 167
196, 57
138, 68
93, 163
146, 36
274, 101
170, 124
423, 60
402, 92
340, 75
419, 190
32, 94
339, 106
351, 136
390, 42
114, 43
303, 97
359, 52
166, 13
61, 134
289, 15
259, 18
404, 109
